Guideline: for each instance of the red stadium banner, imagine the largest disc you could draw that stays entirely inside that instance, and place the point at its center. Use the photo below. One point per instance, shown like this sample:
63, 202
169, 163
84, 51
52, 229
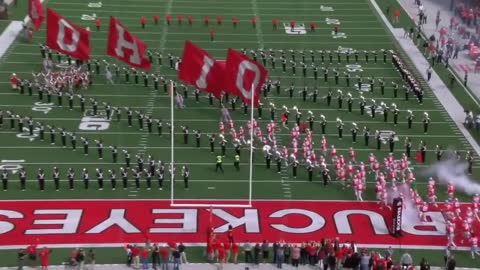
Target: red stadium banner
241, 74
67, 37
35, 12
126, 47
201, 70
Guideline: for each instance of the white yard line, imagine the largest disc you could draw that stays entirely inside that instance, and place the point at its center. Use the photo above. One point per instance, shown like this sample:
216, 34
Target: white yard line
285, 134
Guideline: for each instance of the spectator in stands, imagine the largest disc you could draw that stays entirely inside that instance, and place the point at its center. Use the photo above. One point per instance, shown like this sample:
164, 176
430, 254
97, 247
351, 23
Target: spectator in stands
257, 251
280, 255
331, 262
136, 257
287, 253
451, 263
406, 260
164, 255
22, 255
128, 250
247, 249
155, 256
91, 258
74, 256
295, 255
365, 260
176, 259
424, 264
81, 259
183, 254
144, 254
265, 251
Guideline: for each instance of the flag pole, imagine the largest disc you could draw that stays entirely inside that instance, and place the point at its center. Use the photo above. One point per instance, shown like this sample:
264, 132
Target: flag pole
252, 91
171, 144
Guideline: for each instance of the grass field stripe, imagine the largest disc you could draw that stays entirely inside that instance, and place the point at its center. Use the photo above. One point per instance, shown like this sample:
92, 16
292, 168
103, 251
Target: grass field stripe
223, 13
227, 7
190, 163
314, 135
398, 150
158, 97
236, 34
106, 188
239, 121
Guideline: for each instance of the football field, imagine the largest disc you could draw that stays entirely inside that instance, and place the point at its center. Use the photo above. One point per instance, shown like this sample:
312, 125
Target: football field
360, 29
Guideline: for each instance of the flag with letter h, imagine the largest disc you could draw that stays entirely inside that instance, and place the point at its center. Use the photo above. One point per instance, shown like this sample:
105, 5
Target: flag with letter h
125, 46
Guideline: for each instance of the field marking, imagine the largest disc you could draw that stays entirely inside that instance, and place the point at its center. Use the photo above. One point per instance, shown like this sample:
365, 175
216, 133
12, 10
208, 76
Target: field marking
239, 34
237, 121
204, 96
281, 134
284, 42
193, 148
212, 164
316, 180
227, 7
129, 18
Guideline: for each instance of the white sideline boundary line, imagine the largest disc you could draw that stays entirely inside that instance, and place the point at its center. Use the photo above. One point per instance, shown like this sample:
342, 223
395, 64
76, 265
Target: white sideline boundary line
8, 36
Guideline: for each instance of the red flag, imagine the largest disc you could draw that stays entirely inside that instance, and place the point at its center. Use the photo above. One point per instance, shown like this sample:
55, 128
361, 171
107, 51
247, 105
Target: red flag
418, 156
241, 74
125, 46
35, 12
201, 70
66, 37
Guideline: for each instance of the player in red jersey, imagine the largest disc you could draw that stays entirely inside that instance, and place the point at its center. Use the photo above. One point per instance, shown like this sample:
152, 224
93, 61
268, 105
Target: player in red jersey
336, 28
254, 22
190, 20
168, 18
206, 20
212, 34
275, 24
143, 21
292, 25
219, 19
32, 254
180, 19
312, 26
156, 19
235, 249
14, 81
98, 23
44, 257
235, 21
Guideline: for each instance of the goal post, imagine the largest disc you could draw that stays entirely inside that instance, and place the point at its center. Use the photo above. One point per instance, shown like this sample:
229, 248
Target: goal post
178, 203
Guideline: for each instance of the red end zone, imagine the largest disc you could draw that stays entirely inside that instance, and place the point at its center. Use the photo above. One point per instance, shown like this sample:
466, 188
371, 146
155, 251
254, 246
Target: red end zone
121, 221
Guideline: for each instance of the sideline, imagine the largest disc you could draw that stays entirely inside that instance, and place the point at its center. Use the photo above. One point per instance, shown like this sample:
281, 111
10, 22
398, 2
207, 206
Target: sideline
439, 89
9, 36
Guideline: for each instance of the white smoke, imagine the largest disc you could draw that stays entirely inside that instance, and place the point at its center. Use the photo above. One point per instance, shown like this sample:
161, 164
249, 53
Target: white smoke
410, 213
454, 171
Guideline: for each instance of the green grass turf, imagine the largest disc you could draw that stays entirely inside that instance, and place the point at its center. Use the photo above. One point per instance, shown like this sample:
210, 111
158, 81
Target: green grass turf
364, 30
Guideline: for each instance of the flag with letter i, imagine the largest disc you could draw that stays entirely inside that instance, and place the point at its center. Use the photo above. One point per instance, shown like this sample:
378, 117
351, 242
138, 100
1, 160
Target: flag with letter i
201, 70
